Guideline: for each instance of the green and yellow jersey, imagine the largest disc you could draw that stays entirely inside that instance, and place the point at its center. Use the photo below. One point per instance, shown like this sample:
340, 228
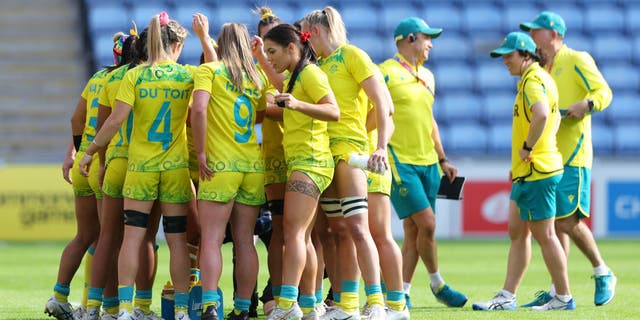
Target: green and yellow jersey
413, 99
578, 78
306, 140
119, 144
159, 97
535, 85
91, 94
232, 144
346, 68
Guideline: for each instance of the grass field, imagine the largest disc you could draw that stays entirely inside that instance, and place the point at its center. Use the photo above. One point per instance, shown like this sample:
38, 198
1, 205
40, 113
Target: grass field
475, 267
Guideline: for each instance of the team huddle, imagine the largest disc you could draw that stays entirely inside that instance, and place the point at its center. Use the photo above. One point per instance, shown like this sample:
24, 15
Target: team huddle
153, 138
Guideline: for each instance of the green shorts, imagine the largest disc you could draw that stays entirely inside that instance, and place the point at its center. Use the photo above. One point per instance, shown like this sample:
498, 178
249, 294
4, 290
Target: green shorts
114, 176
170, 186
414, 188
245, 187
321, 176
574, 193
86, 186
275, 170
536, 199
341, 148
377, 183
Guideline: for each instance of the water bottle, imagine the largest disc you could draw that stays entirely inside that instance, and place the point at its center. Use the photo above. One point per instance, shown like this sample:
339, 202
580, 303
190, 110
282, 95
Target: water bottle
362, 161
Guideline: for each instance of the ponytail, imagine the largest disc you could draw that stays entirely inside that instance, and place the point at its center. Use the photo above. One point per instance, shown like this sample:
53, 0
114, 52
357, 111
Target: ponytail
329, 18
284, 34
162, 33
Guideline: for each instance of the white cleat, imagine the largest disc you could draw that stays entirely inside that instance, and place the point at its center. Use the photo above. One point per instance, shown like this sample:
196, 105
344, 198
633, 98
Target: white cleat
58, 310
295, 313
339, 314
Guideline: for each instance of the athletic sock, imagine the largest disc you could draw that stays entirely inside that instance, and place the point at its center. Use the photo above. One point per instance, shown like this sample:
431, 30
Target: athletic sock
288, 296
349, 298
436, 281
601, 270
396, 300
94, 298
307, 303
374, 294
88, 260
143, 300
61, 292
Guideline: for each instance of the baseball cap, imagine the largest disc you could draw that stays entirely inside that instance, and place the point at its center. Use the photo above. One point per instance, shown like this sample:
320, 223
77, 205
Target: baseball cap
414, 25
546, 20
515, 41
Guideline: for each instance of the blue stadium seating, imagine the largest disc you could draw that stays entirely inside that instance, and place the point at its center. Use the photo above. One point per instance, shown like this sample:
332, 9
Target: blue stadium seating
479, 17
498, 107
378, 49
627, 139
445, 16
103, 49
456, 108
604, 18
499, 139
624, 108
602, 139
142, 13
391, 17
516, 13
108, 18
466, 138
571, 13
360, 16
287, 12
493, 75
621, 76
453, 76
450, 48
184, 15
612, 47
631, 18
578, 41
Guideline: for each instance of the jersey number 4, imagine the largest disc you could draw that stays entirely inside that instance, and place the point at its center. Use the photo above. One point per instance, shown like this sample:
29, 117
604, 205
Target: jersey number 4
163, 117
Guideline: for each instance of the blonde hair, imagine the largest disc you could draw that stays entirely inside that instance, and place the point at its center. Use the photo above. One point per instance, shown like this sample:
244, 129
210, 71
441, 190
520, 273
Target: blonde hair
234, 49
160, 38
329, 18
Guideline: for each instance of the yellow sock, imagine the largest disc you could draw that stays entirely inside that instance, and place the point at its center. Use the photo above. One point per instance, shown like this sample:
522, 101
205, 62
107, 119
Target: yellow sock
375, 298
88, 259
112, 310
397, 305
94, 304
143, 304
276, 299
126, 305
349, 301
285, 303
306, 310
62, 298
185, 310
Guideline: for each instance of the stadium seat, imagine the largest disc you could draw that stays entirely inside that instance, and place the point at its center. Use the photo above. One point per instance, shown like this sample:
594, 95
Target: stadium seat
237, 12
184, 14
612, 47
443, 15
621, 76
455, 108
453, 76
572, 15
493, 75
627, 139
602, 139
516, 13
287, 12
499, 140
632, 13
379, 50
624, 108
601, 18
103, 49
479, 17
390, 17
450, 47
191, 51
142, 13
482, 43
578, 41
466, 138
498, 107
358, 17
636, 49
108, 18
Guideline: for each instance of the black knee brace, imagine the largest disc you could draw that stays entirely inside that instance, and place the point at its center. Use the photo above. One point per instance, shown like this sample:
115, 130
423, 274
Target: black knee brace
136, 218
177, 224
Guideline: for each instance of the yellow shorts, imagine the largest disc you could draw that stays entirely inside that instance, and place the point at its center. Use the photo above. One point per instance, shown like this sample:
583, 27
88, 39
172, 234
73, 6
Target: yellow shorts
275, 170
321, 176
114, 176
377, 183
245, 187
86, 186
170, 186
341, 148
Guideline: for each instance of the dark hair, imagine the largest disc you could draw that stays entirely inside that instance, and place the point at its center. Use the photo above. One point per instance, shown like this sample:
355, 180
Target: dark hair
128, 50
283, 34
141, 49
267, 17
538, 56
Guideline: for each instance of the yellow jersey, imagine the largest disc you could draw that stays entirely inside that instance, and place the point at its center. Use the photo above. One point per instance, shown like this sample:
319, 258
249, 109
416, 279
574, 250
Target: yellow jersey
306, 139
413, 95
119, 144
91, 94
159, 97
535, 85
346, 68
578, 78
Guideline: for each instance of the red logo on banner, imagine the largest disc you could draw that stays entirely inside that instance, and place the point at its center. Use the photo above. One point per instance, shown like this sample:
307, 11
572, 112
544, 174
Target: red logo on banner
485, 207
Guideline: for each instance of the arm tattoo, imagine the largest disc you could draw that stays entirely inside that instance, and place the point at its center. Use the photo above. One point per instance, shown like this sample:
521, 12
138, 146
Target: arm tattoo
303, 187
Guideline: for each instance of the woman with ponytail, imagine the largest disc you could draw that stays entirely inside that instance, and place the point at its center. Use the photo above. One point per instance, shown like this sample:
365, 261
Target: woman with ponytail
229, 95
157, 93
308, 104
355, 80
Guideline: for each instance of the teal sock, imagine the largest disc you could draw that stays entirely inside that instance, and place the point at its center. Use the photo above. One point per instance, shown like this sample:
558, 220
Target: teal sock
143, 294
125, 294
110, 302
372, 289
62, 289
319, 296
181, 300
241, 304
351, 286
383, 286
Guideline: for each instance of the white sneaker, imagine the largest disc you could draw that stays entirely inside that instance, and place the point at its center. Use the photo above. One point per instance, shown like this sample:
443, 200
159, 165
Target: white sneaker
339, 314
180, 316
125, 315
556, 304
498, 302
311, 316
108, 316
398, 315
79, 312
58, 310
295, 313
320, 309
366, 311
377, 312
92, 314
140, 315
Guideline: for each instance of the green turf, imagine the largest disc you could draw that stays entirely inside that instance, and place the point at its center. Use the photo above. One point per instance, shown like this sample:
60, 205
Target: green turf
475, 267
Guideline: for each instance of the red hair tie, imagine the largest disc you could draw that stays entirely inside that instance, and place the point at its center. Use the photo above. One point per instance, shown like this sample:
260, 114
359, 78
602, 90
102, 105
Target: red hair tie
164, 18
304, 36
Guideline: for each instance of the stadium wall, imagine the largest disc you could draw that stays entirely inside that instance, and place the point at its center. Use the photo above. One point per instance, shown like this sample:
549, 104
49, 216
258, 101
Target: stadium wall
37, 204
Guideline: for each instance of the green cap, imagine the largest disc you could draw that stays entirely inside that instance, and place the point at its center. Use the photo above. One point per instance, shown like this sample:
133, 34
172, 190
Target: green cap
546, 20
515, 41
414, 25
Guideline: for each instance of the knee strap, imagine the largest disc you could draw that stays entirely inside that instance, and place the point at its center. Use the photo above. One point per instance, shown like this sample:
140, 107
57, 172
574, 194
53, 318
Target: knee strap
354, 205
136, 218
331, 207
176, 224
276, 207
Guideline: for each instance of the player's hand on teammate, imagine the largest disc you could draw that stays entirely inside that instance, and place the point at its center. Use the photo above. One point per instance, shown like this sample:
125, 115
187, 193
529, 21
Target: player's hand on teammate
378, 161
205, 172
67, 164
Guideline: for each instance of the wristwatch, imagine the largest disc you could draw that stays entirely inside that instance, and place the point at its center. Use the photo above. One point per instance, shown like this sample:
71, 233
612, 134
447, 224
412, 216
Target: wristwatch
590, 104
525, 147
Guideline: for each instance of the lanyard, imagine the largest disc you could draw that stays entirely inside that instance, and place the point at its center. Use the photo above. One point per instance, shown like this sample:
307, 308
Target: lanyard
414, 73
